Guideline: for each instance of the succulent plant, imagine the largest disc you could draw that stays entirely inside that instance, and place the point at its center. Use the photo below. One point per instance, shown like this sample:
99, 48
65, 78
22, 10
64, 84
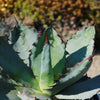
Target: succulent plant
39, 68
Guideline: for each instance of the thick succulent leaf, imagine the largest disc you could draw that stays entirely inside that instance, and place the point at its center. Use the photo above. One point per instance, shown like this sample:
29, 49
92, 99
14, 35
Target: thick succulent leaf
14, 34
57, 51
74, 75
22, 39
82, 90
46, 74
13, 65
25, 93
80, 46
80, 49
7, 88
41, 63
36, 57
57, 57
24, 96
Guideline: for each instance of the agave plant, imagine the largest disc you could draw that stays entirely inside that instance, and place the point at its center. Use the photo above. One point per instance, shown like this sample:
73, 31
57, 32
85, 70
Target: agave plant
35, 68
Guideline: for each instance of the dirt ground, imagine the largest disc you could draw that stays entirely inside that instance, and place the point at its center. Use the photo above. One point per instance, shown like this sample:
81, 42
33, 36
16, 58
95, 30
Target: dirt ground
95, 67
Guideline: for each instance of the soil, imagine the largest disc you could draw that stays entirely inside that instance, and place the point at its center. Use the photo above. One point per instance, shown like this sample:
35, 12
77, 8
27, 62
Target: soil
95, 67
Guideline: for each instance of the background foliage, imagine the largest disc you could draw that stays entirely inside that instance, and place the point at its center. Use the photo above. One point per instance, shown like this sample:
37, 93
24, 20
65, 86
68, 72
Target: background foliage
68, 14
46, 12
43, 11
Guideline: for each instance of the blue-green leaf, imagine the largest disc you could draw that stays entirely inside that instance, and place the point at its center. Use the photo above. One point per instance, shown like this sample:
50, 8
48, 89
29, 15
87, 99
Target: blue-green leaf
13, 65
46, 72
57, 52
57, 57
22, 39
7, 89
41, 63
36, 57
79, 58
80, 46
73, 76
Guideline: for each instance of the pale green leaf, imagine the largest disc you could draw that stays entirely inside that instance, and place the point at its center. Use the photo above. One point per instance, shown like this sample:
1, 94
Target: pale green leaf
36, 57
80, 46
22, 39
41, 63
57, 52
46, 73
33, 97
57, 57
73, 76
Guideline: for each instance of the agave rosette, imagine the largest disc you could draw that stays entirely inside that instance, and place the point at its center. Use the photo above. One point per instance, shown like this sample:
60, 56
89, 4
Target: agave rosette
40, 66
